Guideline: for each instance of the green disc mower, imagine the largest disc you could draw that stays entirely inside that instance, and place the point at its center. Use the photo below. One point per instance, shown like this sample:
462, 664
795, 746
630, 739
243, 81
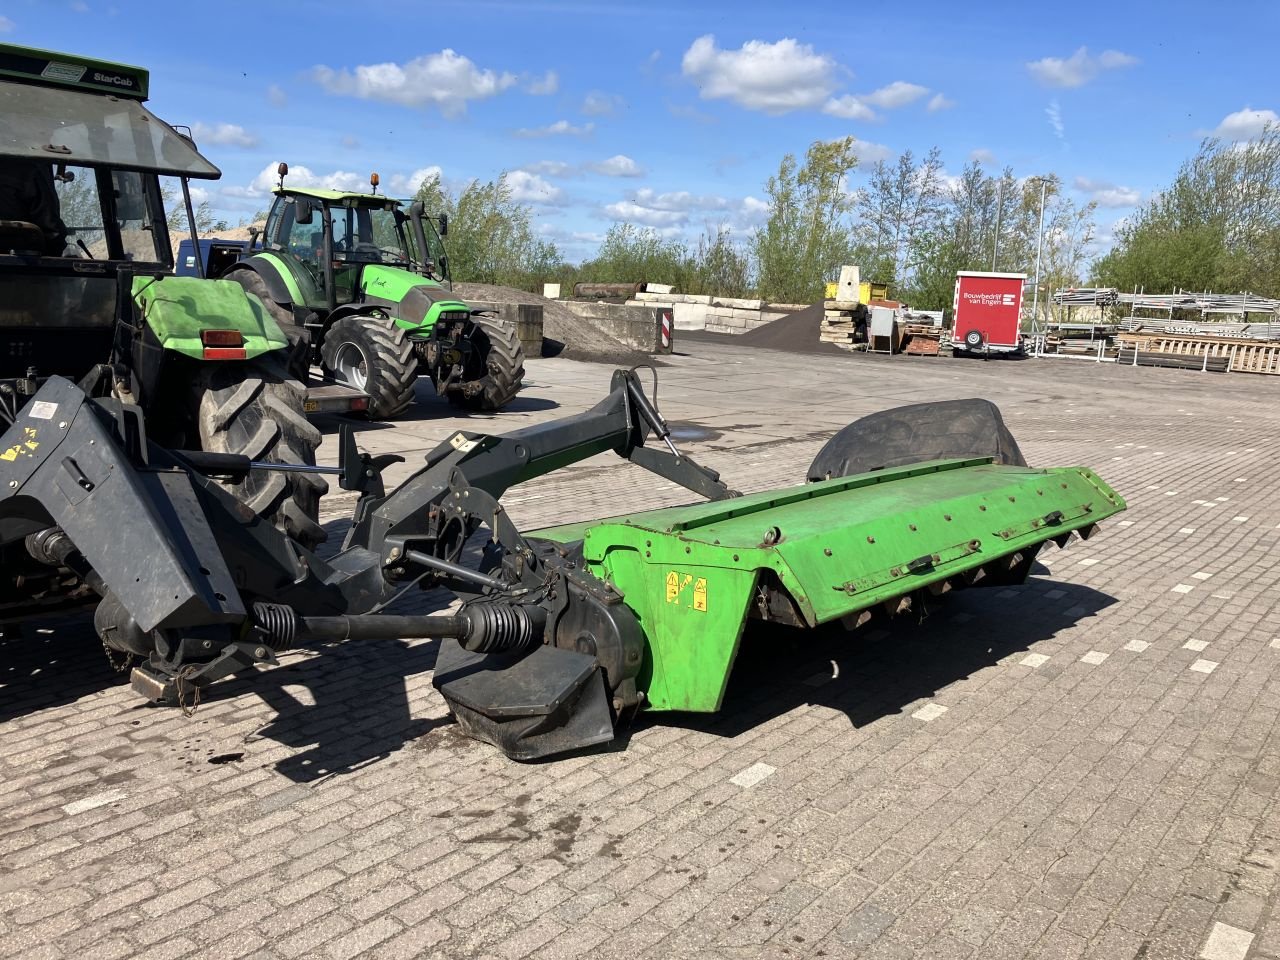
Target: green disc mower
361, 285
562, 633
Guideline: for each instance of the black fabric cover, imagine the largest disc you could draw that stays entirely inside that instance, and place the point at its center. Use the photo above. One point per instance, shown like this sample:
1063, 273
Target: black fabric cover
946, 429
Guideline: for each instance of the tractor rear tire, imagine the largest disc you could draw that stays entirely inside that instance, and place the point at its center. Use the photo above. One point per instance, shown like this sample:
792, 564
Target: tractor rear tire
943, 430
373, 355
299, 337
255, 409
503, 359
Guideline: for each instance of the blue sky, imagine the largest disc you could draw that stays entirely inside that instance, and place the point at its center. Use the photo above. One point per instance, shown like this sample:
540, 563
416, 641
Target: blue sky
674, 115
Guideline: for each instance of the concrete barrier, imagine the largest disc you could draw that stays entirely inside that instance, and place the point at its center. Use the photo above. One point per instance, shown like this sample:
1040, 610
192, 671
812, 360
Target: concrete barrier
527, 318
639, 326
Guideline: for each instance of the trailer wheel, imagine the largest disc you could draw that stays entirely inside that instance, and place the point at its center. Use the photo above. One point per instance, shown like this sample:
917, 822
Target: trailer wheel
944, 430
374, 355
255, 408
498, 362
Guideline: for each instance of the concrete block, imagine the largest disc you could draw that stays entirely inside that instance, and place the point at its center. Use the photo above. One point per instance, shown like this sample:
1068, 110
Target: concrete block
551, 291
698, 298
738, 303
847, 288
636, 326
738, 323
841, 304
690, 316
657, 288
739, 314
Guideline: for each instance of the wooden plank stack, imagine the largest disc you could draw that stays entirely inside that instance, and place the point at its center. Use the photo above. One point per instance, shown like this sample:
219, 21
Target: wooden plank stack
1236, 355
923, 339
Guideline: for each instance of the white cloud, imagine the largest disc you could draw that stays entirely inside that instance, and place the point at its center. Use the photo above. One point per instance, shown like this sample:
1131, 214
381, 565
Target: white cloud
753, 211
1079, 68
772, 77
559, 128
848, 107
395, 184
545, 85
1054, 112
1106, 194
1245, 124
528, 187
276, 96
939, 102
597, 104
223, 135
550, 168
897, 94
869, 154
982, 155
617, 166
446, 80
631, 212
677, 200
6, 25
406, 185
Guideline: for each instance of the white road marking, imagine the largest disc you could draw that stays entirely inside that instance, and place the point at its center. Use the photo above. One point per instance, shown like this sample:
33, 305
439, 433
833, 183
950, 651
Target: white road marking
930, 711
1187, 530
1034, 660
93, 802
1201, 575
1196, 645
1095, 657
1205, 666
1088, 562
1136, 646
1182, 588
752, 775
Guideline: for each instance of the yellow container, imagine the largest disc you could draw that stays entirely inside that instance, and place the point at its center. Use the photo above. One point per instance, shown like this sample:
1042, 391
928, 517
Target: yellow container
830, 292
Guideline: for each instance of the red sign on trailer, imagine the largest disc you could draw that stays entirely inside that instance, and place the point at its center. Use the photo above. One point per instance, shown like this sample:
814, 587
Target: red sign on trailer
987, 308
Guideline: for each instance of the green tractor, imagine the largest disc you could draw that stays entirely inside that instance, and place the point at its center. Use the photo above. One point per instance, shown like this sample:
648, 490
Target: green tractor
360, 283
87, 292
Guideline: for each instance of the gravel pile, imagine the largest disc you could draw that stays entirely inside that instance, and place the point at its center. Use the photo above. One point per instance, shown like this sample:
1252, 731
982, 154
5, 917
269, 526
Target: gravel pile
574, 338
796, 332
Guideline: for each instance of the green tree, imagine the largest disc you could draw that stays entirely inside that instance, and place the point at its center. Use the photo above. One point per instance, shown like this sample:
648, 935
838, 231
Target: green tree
491, 237
632, 254
1216, 227
807, 235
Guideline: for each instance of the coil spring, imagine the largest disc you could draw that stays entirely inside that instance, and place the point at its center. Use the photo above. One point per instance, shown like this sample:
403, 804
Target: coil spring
278, 622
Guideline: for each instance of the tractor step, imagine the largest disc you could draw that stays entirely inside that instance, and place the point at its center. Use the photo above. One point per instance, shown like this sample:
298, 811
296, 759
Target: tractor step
335, 398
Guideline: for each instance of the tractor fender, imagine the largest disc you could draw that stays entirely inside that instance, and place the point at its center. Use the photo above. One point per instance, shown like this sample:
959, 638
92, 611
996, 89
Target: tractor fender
277, 287
177, 309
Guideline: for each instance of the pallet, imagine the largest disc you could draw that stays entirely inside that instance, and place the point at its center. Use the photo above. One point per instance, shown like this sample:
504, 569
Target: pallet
1157, 358
1233, 355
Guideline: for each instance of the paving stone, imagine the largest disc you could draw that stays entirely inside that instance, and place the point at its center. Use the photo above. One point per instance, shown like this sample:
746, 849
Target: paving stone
1075, 801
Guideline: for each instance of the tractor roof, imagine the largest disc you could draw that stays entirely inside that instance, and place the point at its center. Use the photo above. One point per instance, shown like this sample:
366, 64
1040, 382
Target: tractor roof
338, 196
64, 109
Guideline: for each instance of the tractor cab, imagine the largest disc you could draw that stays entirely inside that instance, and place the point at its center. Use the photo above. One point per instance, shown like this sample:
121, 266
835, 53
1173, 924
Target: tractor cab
327, 238
80, 203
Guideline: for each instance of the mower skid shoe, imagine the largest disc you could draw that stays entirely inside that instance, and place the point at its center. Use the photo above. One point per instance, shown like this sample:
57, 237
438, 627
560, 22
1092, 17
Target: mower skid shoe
537, 705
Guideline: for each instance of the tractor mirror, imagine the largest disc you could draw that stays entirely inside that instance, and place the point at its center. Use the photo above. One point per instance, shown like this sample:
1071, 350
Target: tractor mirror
444, 224
303, 211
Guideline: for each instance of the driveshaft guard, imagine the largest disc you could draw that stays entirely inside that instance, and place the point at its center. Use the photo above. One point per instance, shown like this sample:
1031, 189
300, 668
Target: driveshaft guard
142, 530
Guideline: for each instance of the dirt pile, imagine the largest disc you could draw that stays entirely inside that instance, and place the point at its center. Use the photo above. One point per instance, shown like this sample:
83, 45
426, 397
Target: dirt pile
574, 338
796, 332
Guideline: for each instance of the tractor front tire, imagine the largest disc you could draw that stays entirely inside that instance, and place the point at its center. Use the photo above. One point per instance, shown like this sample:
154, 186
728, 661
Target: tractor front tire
374, 355
502, 357
255, 409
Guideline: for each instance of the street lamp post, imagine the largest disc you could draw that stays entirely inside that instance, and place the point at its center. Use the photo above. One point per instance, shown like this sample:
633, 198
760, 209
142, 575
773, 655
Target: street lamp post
1035, 293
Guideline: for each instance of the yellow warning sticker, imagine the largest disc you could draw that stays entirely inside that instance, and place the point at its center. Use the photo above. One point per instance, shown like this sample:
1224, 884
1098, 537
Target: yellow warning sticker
678, 592
23, 449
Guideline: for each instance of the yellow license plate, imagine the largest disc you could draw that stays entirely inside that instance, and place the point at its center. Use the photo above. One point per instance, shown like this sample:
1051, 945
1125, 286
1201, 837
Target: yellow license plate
310, 406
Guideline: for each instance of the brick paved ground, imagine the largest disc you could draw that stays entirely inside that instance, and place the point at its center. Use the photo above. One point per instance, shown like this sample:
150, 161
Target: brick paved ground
1085, 766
